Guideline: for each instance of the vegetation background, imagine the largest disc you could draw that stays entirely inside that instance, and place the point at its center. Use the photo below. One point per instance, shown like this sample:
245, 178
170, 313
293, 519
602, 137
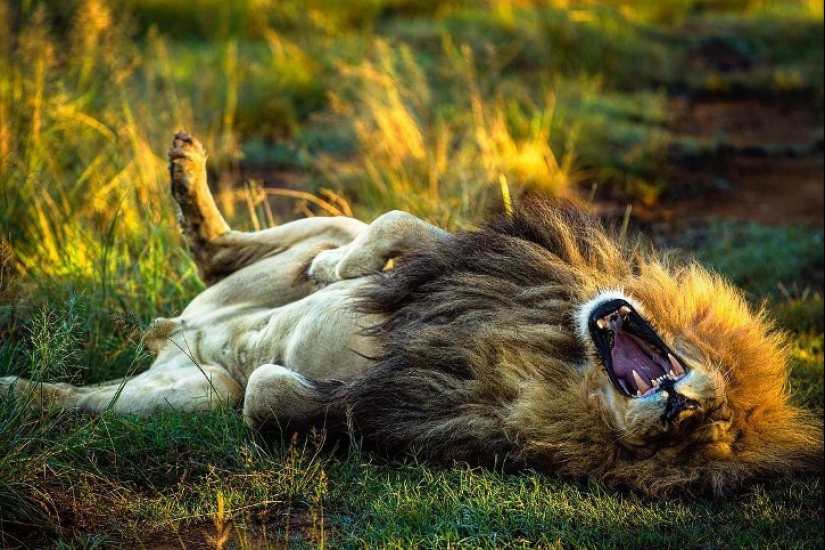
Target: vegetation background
698, 122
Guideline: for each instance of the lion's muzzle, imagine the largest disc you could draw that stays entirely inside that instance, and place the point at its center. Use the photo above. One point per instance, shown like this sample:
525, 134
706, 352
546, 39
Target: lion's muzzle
678, 408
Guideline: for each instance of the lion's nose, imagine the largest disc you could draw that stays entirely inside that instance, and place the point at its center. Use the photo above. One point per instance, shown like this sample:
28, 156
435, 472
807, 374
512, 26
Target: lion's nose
679, 407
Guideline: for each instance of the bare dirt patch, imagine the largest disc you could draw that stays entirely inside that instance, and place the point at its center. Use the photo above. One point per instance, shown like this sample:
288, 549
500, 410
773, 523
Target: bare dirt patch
748, 160
768, 191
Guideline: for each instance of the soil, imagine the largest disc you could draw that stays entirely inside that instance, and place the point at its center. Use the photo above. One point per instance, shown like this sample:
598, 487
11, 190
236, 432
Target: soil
745, 159
757, 161
263, 530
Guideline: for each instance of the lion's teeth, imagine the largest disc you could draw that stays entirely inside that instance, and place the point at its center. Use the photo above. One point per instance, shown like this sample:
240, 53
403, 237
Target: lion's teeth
601, 323
641, 385
655, 383
677, 368
624, 311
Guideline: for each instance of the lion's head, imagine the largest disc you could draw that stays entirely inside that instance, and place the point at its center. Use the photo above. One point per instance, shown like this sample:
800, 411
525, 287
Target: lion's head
654, 395
691, 382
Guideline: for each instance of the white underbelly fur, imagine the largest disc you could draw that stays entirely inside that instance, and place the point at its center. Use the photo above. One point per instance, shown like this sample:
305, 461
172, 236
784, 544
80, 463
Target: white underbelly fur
318, 336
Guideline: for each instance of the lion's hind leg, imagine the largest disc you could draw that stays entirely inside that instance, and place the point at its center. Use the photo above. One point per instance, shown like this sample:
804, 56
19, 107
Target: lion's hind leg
219, 251
200, 218
177, 385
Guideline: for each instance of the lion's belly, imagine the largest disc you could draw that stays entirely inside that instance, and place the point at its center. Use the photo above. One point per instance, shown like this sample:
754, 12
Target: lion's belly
318, 336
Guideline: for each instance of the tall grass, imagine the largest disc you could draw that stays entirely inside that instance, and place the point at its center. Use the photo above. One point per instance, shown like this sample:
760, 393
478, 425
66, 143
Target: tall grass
77, 160
440, 150
86, 215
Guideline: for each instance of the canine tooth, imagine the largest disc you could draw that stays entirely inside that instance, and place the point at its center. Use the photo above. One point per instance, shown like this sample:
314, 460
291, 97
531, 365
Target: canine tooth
677, 368
601, 323
640, 384
624, 311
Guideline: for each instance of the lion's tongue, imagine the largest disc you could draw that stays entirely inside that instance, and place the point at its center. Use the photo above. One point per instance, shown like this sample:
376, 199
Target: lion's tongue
629, 355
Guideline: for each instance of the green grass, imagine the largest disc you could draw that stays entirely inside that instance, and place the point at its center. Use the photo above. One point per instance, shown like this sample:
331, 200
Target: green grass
155, 476
473, 509
425, 106
767, 261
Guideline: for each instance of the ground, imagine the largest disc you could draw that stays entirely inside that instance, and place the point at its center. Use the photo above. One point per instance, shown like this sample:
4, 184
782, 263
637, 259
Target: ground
767, 166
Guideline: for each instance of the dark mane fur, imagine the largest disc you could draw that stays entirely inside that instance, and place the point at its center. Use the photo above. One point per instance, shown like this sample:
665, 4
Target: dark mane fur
452, 312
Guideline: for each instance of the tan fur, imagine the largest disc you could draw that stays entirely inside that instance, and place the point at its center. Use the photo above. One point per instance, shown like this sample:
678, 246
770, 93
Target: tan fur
474, 347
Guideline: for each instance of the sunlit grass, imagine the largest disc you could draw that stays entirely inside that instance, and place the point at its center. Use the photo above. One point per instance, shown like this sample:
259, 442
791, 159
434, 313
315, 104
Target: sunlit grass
413, 153
78, 160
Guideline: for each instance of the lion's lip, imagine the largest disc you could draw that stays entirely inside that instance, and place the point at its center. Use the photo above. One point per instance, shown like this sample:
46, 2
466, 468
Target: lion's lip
637, 361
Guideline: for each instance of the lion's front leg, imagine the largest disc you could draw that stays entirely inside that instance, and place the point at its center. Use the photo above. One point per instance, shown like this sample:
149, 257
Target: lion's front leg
388, 237
280, 398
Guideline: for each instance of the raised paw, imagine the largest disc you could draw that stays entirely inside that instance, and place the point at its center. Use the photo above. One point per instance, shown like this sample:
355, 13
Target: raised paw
200, 219
187, 161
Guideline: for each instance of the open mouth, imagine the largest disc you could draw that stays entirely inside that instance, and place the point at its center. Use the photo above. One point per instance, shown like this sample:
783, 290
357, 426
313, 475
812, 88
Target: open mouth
636, 359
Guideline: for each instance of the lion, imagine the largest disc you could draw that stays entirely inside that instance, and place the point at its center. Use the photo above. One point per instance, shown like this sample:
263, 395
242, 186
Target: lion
538, 340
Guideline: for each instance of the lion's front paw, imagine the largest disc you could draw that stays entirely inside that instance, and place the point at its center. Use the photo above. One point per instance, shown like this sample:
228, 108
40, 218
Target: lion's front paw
324, 268
346, 262
187, 158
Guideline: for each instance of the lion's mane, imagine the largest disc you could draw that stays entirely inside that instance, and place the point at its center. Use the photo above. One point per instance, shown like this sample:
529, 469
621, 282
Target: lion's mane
482, 360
